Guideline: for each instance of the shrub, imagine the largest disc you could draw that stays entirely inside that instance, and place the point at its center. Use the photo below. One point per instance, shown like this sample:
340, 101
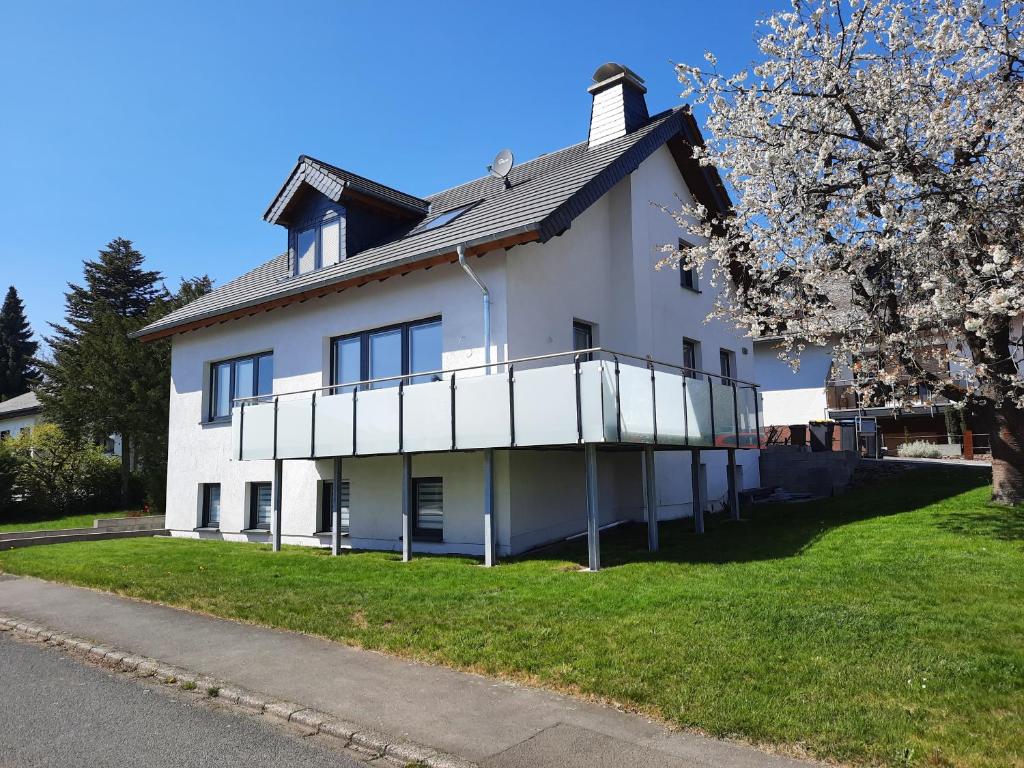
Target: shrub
58, 474
8, 476
919, 449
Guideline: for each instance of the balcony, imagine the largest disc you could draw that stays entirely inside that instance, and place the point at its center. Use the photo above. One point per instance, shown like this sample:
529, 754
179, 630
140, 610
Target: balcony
593, 396
841, 395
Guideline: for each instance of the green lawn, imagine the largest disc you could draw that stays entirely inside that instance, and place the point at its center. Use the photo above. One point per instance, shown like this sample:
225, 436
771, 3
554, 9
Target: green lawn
886, 626
40, 522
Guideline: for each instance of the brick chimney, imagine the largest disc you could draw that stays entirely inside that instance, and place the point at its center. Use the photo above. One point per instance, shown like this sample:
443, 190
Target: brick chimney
619, 105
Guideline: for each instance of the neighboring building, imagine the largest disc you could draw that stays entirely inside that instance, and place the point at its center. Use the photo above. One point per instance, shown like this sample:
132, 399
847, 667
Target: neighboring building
825, 387
19, 414
270, 373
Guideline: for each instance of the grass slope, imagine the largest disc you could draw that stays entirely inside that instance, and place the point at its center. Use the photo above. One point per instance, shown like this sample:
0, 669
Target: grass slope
884, 626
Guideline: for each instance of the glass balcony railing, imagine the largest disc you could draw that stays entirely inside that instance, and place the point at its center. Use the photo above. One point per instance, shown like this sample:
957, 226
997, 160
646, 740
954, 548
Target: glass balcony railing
563, 399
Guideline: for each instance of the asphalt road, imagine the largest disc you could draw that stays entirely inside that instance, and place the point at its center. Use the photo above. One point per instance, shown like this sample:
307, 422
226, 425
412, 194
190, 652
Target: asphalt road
56, 711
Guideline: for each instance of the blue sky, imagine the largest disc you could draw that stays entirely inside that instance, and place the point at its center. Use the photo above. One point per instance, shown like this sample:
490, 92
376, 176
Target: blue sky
174, 124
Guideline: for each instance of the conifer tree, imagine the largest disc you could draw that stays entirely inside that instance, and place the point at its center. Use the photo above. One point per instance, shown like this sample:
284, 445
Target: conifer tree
17, 349
101, 381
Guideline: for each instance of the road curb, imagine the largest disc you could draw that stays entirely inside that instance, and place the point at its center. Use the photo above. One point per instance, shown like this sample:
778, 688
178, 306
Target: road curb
347, 734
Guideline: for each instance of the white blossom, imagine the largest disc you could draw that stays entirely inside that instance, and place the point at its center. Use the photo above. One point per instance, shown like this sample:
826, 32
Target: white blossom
875, 157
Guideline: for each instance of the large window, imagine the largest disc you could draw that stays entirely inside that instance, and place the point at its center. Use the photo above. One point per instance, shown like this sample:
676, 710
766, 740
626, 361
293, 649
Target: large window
326, 518
394, 351
428, 508
318, 245
261, 498
241, 377
211, 505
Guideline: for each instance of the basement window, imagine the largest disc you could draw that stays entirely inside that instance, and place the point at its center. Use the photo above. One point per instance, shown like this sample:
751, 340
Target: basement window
211, 505
428, 508
326, 493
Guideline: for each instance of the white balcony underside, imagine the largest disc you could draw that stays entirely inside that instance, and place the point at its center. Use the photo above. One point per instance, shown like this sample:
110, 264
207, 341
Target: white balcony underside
539, 407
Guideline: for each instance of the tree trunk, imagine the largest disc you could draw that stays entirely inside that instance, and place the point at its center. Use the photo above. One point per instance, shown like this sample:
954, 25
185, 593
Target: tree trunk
126, 470
1006, 436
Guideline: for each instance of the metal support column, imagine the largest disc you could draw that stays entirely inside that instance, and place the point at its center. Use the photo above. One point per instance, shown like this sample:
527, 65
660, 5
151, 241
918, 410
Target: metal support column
275, 515
698, 501
406, 507
651, 487
734, 487
336, 508
489, 532
593, 513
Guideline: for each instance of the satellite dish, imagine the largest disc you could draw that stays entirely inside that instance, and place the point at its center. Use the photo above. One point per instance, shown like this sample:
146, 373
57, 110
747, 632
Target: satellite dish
501, 165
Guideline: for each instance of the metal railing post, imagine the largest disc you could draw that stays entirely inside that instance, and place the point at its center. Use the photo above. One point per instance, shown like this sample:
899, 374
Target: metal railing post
736, 414
511, 407
312, 427
241, 431
654, 401
453, 409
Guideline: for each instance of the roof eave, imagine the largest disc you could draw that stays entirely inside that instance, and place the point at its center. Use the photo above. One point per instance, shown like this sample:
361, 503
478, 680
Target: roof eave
331, 284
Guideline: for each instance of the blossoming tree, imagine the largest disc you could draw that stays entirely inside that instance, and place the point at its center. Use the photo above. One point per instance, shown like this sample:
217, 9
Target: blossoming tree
876, 159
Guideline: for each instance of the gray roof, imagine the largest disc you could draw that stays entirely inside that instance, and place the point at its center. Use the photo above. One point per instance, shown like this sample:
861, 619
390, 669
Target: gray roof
546, 195
332, 181
20, 404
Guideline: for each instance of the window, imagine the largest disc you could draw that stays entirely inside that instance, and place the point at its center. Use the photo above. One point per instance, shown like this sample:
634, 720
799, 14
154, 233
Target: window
727, 362
690, 357
428, 508
261, 497
241, 377
326, 521
395, 351
688, 277
211, 505
441, 219
318, 245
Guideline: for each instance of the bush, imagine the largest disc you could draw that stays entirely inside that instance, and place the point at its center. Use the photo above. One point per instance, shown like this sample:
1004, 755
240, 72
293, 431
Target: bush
57, 474
919, 449
8, 476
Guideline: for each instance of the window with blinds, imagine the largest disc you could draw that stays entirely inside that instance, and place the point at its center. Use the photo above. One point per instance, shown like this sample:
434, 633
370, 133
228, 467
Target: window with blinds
260, 501
428, 508
211, 505
326, 518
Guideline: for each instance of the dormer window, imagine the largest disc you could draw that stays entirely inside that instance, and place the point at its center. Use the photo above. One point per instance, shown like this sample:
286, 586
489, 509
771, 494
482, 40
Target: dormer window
318, 245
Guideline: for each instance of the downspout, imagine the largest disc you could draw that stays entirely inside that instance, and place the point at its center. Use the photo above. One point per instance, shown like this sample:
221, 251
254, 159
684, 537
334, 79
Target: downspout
461, 250
490, 531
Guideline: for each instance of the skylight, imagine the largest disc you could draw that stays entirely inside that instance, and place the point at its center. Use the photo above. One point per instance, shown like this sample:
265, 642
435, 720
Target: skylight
443, 218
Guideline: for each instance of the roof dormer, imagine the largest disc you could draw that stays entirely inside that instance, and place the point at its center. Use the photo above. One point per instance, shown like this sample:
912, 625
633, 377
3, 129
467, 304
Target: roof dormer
331, 214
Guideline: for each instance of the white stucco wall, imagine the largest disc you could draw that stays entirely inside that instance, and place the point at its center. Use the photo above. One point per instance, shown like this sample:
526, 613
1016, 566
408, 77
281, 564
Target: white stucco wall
600, 271
792, 397
14, 424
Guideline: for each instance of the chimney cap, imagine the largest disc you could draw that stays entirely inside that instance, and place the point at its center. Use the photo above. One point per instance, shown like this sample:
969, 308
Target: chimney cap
611, 72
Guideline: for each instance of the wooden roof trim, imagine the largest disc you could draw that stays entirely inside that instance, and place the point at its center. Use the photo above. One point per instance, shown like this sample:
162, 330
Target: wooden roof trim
354, 282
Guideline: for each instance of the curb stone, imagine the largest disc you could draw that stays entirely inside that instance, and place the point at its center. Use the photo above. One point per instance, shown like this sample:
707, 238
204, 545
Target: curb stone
347, 733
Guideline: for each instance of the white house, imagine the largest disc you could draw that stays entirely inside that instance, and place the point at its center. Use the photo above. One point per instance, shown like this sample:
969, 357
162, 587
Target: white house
422, 351
19, 414
23, 412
